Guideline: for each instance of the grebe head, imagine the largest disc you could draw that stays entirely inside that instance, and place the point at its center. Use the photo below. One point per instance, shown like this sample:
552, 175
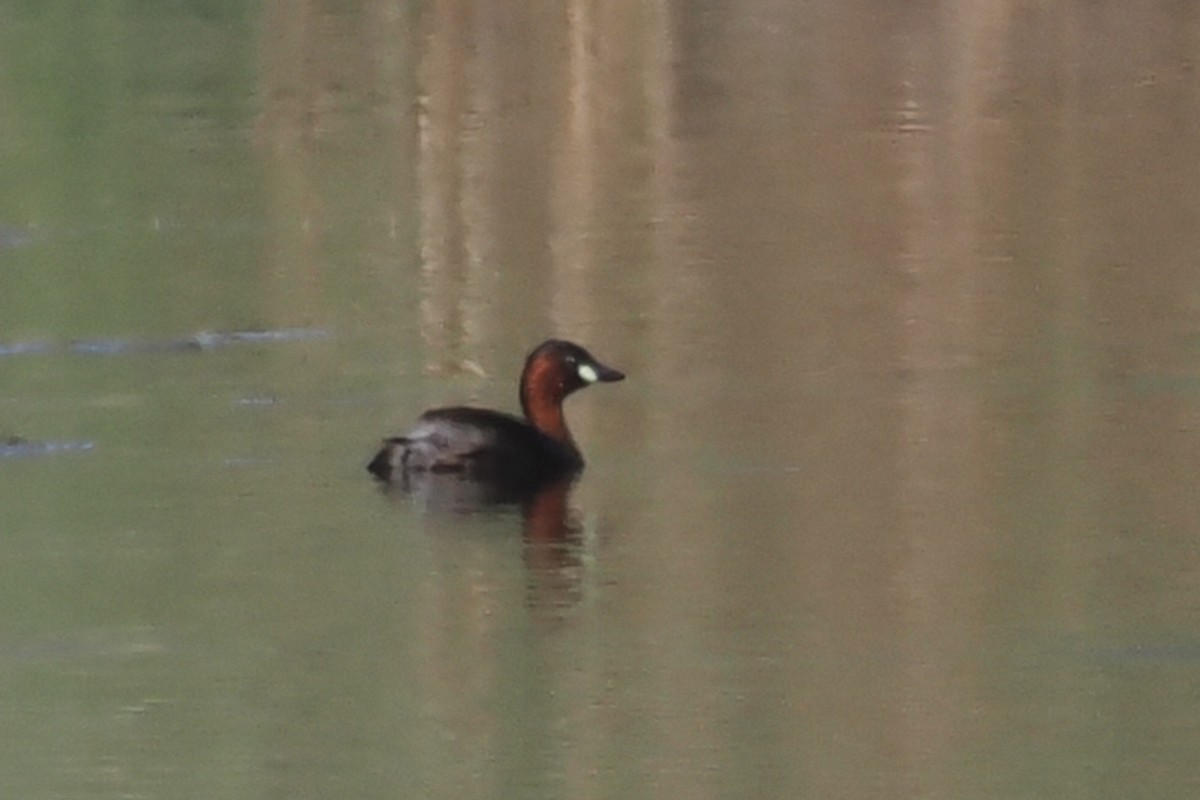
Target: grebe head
555, 369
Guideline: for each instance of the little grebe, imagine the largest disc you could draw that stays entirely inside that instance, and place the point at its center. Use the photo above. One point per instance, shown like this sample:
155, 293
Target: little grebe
489, 446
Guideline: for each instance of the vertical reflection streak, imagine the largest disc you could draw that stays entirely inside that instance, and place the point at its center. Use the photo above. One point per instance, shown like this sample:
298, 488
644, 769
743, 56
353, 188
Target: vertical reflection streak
445, 91
941, 451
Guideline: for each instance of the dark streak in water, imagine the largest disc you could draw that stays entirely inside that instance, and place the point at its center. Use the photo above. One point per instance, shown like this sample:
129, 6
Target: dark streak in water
17, 447
196, 342
108, 347
206, 339
25, 348
257, 401
12, 237
79, 646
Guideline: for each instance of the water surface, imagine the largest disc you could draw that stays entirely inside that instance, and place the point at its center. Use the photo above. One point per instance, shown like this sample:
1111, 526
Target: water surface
898, 499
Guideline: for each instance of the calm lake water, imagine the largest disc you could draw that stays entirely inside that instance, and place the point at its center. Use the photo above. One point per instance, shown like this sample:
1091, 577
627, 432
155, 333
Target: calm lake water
899, 499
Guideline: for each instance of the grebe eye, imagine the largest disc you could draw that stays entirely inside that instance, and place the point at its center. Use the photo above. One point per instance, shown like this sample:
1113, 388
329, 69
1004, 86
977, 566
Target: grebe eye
588, 373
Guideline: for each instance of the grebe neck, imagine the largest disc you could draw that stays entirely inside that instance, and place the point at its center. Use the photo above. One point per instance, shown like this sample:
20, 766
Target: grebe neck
542, 395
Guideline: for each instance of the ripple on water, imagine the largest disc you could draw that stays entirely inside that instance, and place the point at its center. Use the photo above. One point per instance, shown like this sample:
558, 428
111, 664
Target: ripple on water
18, 447
199, 341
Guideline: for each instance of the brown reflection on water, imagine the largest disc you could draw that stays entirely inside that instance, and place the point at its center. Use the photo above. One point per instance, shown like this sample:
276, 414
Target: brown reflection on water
943, 436
1013, 245
527, 210
544, 520
907, 297
554, 549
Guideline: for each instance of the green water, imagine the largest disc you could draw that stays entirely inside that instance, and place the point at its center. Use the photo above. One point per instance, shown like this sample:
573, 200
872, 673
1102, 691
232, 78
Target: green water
898, 499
